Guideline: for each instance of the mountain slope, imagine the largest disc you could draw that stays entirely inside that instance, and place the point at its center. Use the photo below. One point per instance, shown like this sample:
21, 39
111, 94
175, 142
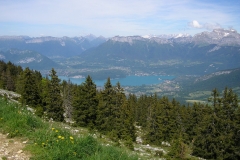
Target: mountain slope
27, 58
202, 54
51, 46
220, 80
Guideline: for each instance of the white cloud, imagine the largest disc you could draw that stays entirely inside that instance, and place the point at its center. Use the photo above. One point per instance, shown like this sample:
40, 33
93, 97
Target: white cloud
195, 24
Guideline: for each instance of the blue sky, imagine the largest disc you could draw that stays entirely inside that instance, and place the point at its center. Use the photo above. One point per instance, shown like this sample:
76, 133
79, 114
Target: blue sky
116, 17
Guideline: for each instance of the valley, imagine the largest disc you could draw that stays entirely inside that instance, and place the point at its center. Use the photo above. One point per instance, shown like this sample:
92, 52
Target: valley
187, 58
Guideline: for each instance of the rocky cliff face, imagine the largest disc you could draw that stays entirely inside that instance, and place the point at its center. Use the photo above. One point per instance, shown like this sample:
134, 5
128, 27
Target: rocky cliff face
220, 37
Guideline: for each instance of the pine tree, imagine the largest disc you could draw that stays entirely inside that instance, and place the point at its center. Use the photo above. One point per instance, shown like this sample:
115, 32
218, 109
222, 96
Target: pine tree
236, 137
55, 109
28, 88
166, 120
127, 130
85, 104
119, 98
152, 129
141, 111
45, 87
105, 115
10, 84
217, 136
3, 80
67, 99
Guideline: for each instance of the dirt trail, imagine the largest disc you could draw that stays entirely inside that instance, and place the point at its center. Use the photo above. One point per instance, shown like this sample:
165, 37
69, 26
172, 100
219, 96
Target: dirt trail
12, 149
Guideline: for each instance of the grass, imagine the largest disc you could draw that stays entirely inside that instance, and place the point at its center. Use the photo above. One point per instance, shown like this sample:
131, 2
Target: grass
47, 140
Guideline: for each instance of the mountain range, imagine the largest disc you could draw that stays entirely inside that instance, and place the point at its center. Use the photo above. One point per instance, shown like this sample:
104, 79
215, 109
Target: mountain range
201, 54
51, 46
179, 54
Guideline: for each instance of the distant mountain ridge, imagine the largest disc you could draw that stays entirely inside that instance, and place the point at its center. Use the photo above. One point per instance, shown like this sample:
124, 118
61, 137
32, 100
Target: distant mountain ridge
51, 46
201, 54
220, 37
27, 58
176, 54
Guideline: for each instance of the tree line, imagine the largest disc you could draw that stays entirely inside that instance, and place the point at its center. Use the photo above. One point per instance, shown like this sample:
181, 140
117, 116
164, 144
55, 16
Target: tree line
210, 131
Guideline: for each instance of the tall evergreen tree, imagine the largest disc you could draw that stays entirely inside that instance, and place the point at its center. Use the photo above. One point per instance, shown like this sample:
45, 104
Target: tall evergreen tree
55, 109
67, 99
10, 83
152, 129
85, 104
216, 139
127, 129
105, 115
166, 120
28, 88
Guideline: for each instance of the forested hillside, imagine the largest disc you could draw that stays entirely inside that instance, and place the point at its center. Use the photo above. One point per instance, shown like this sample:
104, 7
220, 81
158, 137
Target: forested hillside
209, 131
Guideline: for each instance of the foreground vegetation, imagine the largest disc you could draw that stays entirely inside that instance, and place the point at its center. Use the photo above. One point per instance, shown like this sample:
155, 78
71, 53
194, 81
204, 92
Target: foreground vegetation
209, 130
49, 141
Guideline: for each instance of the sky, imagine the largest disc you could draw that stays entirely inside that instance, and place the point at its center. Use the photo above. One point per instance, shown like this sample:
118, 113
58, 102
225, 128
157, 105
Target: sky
110, 18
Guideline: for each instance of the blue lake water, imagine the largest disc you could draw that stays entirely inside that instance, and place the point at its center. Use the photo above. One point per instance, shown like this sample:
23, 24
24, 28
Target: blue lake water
127, 81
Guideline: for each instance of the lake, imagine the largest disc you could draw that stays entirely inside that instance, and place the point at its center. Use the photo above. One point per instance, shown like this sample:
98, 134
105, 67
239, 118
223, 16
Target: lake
127, 81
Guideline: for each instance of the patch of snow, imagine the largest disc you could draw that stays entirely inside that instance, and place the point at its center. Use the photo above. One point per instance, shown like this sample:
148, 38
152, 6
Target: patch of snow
146, 36
226, 34
181, 35
62, 43
129, 39
214, 49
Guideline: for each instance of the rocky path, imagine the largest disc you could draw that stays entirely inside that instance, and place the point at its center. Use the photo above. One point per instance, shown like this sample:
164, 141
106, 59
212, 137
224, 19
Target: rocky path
12, 149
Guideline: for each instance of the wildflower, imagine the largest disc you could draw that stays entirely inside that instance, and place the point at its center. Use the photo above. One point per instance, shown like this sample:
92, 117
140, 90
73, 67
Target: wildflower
43, 144
53, 129
71, 138
56, 130
62, 138
35, 143
59, 137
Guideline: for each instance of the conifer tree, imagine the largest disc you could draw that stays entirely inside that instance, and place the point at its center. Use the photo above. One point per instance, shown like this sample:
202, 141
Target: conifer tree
236, 137
216, 139
105, 116
142, 110
28, 88
152, 121
10, 84
67, 99
45, 86
3, 80
85, 104
55, 109
119, 98
127, 130
166, 120
192, 119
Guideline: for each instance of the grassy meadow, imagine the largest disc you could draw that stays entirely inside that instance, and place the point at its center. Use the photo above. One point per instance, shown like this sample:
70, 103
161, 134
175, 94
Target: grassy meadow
50, 140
